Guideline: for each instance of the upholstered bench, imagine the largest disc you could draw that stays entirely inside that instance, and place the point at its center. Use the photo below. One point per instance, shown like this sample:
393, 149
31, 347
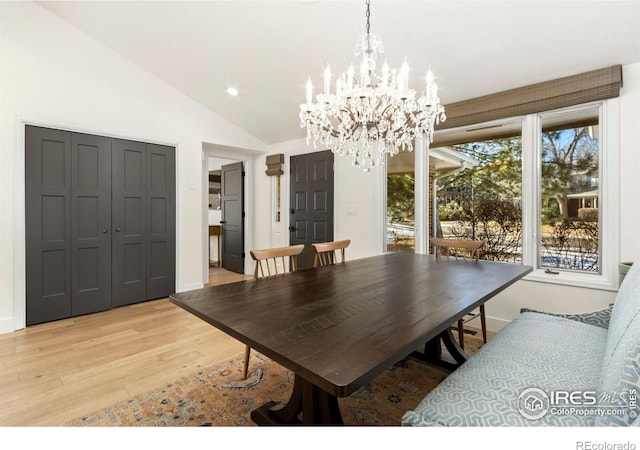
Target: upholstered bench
595, 356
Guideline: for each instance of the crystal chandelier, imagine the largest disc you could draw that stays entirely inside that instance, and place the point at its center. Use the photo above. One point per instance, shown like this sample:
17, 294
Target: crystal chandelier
367, 119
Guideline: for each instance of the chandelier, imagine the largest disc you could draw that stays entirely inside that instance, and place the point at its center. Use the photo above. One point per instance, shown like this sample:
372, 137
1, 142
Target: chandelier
375, 115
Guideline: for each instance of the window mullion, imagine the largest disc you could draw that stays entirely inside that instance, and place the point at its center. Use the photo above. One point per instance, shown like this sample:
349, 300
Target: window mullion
530, 189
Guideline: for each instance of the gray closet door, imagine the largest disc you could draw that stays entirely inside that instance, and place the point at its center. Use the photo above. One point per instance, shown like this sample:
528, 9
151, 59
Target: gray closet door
100, 223
129, 221
161, 244
48, 224
90, 223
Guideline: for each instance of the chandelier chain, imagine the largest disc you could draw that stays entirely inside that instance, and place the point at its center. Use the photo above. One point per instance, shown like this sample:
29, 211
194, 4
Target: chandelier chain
368, 15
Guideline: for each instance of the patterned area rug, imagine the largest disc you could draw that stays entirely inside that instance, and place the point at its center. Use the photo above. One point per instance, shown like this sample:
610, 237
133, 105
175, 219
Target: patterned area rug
211, 396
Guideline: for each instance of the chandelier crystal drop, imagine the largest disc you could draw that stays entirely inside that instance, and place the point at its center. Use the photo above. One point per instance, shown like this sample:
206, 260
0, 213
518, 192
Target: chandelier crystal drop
372, 115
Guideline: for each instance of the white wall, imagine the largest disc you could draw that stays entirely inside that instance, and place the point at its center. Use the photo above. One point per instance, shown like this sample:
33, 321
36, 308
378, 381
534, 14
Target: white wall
357, 189
55, 75
354, 207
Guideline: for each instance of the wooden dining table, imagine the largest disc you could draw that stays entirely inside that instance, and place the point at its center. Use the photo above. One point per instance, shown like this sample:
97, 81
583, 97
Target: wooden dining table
338, 327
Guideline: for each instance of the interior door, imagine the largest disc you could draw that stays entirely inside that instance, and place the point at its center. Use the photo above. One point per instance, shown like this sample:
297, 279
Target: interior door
90, 223
232, 213
48, 224
161, 241
311, 198
129, 221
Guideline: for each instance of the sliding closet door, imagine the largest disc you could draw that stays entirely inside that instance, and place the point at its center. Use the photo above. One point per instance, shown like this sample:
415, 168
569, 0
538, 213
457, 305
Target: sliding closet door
90, 223
48, 224
129, 221
161, 243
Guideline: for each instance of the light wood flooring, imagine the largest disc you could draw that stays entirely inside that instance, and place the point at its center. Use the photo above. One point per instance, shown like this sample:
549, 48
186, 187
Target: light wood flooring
54, 372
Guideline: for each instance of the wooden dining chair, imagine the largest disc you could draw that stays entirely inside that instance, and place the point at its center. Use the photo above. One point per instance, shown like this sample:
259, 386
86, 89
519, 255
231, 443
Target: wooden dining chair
271, 262
465, 249
325, 252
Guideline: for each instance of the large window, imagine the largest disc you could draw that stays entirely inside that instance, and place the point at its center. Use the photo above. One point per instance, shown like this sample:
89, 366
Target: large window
540, 189
483, 202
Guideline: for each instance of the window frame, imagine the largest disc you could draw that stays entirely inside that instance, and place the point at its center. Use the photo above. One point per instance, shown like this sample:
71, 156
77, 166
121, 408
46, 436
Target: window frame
609, 203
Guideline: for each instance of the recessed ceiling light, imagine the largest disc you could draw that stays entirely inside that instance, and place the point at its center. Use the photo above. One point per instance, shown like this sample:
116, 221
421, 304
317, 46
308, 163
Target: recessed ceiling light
232, 91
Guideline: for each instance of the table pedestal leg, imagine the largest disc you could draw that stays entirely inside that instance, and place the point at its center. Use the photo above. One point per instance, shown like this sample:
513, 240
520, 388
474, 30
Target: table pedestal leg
317, 406
433, 351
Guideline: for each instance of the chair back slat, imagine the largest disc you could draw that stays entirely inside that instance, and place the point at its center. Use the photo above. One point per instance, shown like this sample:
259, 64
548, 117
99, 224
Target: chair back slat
325, 252
274, 260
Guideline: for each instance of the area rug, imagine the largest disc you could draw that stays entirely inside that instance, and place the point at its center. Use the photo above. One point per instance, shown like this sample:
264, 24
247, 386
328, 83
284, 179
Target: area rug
209, 397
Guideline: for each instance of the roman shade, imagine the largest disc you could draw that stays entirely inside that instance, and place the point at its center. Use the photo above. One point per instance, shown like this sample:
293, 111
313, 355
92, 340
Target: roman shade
568, 91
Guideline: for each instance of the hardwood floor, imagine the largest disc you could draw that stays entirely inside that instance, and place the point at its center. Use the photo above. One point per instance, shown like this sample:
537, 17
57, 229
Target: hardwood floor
54, 372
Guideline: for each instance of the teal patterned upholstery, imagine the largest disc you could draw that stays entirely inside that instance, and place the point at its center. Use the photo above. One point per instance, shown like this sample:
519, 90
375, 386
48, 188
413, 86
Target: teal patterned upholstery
485, 389
597, 351
621, 368
598, 318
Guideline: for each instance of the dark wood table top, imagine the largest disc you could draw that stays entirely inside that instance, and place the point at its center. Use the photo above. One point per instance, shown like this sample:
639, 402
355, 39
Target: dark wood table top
340, 326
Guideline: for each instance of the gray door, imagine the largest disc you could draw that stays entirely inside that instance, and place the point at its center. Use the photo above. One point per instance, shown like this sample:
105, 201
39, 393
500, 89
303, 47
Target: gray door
161, 241
90, 223
232, 223
129, 220
311, 197
48, 224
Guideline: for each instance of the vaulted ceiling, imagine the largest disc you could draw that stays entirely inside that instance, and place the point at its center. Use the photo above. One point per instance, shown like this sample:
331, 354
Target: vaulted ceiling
268, 48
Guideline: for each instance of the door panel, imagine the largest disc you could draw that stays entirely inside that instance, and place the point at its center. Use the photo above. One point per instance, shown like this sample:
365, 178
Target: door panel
90, 223
232, 223
161, 244
129, 246
311, 202
48, 224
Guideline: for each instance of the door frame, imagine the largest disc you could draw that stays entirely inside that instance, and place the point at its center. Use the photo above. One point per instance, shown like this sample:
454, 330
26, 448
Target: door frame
233, 154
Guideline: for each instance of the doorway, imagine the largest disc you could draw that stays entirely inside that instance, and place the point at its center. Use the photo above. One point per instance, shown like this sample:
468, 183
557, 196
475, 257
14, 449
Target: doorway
214, 158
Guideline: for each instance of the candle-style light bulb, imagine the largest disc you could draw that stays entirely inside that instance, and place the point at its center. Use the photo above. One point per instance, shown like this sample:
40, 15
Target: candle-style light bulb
327, 80
429, 85
385, 74
363, 74
309, 90
350, 73
405, 75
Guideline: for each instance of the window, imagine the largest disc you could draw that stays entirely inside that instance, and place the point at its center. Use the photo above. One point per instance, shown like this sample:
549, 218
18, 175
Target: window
569, 153
483, 202
401, 203
542, 191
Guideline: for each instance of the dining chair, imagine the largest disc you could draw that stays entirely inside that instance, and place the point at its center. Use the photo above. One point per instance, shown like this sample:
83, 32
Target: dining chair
465, 249
325, 252
271, 262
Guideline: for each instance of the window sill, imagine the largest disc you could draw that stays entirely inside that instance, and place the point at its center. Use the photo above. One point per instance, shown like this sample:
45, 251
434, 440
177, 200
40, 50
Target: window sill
581, 280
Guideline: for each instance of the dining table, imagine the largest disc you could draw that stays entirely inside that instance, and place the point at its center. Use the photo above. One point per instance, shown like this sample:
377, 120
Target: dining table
338, 327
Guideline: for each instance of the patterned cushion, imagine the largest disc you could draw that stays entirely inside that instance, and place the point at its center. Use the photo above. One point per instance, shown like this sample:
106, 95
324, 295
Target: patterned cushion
535, 350
621, 368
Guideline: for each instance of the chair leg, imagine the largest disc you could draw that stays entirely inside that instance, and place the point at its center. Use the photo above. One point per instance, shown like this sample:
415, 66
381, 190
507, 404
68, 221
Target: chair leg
461, 333
483, 321
247, 353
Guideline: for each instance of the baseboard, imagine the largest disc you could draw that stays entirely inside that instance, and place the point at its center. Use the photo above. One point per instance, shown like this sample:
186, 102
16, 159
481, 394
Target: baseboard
9, 325
496, 324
